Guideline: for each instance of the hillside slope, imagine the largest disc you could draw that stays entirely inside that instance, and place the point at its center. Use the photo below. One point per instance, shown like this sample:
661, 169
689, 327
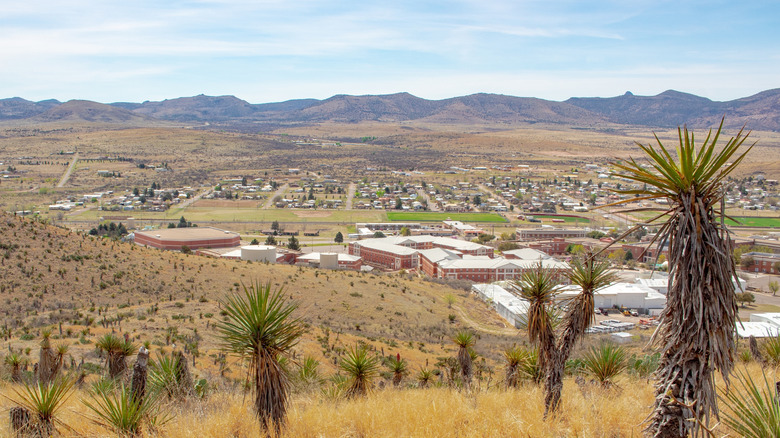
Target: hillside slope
53, 276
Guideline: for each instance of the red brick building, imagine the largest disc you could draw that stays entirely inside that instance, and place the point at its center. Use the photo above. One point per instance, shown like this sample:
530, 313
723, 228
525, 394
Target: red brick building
193, 238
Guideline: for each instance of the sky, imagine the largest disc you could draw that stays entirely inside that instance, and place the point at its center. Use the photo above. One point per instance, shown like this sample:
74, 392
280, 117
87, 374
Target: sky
275, 50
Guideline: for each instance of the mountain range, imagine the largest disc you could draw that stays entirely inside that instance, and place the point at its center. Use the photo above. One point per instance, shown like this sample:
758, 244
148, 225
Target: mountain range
668, 109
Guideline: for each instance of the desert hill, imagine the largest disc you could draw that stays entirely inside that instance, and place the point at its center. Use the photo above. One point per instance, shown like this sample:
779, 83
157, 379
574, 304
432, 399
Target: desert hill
672, 108
668, 109
18, 108
71, 282
88, 111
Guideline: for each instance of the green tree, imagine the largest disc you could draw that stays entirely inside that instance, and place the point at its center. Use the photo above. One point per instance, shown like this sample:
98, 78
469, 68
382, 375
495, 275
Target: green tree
293, 244
270, 240
405, 231
254, 242
260, 326
774, 287
697, 325
339, 237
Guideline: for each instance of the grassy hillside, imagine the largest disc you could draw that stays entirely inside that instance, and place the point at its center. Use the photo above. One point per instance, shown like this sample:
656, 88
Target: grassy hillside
81, 287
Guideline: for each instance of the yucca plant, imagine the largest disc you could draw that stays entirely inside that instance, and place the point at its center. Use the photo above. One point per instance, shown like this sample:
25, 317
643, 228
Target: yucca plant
308, 373
361, 368
117, 350
531, 368
696, 327
465, 340
590, 274
260, 326
771, 351
15, 362
752, 408
44, 401
424, 377
399, 367
514, 356
116, 409
164, 377
604, 363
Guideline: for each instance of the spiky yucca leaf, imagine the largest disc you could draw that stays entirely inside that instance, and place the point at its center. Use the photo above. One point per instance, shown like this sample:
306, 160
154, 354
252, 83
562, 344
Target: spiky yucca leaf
696, 327
604, 363
424, 377
752, 408
116, 409
44, 401
514, 357
260, 326
361, 369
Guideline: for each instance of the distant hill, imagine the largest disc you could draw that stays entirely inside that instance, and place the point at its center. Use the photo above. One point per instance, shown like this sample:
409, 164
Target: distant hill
196, 108
668, 109
18, 108
85, 110
673, 108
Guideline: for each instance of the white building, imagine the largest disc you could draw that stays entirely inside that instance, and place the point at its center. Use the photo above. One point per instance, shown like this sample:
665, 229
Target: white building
509, 306
622, 295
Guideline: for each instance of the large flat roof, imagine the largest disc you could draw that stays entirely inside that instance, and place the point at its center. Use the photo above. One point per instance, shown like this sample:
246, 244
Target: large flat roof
192, 233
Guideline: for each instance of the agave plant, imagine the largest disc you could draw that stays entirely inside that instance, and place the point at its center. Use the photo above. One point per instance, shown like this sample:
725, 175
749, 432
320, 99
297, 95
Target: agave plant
752, 408
604, 363
260, 326
116, 409
361, 369
44, 401
465, 340
696, 327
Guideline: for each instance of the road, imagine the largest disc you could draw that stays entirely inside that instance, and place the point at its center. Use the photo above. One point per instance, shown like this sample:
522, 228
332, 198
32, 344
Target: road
350, 195
279, 192
66, 176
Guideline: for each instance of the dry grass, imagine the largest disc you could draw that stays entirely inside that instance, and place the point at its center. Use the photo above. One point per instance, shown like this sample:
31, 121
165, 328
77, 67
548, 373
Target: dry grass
409, 412
589, 412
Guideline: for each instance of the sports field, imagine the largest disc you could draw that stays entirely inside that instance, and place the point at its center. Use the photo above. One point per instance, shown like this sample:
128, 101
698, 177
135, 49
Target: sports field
752, 221
403, 216
566, 219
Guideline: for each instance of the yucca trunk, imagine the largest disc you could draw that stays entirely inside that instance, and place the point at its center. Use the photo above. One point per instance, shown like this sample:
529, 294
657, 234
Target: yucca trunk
47, 364
577, 320
511, 375
466, 369
116, 363
697, 326
271, 388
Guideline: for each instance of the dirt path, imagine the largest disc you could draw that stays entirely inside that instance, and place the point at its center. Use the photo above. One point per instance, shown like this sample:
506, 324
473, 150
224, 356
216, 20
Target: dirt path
509, 331
350, 195
66, 176
279, 192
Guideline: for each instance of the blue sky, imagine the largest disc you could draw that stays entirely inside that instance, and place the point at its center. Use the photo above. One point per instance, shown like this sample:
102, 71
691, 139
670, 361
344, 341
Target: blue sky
274, 50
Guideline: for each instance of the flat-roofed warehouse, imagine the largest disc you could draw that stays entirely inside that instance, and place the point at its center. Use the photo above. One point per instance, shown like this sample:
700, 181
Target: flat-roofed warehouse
193, 238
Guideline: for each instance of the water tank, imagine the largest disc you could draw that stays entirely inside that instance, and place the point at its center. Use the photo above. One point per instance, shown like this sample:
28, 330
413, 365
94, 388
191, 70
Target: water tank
329, 260
259, 253
131, 223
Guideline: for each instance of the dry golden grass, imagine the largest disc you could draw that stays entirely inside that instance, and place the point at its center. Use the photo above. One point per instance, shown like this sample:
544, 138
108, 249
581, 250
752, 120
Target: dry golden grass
586, 412
409, 412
